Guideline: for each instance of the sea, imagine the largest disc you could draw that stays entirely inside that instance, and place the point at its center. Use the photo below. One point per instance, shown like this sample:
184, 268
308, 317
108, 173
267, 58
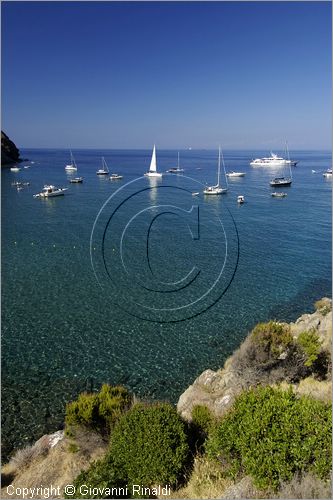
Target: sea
147, 282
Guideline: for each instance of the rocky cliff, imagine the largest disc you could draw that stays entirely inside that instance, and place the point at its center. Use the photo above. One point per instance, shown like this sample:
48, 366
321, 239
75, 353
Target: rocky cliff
9, 152
250, 365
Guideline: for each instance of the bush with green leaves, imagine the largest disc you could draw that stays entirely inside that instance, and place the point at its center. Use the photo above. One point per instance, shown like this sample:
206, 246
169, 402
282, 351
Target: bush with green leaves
101, 480
99, 411
203, 419
272, 434
149, 444
310, 346
273, 339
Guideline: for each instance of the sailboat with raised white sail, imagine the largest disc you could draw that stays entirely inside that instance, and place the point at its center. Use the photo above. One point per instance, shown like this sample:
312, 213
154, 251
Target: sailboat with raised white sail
153, 167
218, 189
72, 165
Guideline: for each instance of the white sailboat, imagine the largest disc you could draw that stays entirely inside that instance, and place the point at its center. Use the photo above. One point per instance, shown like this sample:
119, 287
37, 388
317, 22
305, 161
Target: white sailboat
153, 169
104, 170
72, 166
217, 189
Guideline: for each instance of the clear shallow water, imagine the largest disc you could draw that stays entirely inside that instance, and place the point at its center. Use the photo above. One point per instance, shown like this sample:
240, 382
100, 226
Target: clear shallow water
63, 333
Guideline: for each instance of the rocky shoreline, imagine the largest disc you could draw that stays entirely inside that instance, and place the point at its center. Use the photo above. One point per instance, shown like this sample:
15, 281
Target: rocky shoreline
217, 389
9, 152
55, 459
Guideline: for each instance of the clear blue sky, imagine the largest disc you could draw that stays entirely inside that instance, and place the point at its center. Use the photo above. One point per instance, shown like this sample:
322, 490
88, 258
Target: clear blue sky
126, 75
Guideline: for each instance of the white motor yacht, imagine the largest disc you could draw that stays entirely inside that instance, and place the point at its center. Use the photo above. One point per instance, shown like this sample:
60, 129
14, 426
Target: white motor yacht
50, 191
328, 173
272, 161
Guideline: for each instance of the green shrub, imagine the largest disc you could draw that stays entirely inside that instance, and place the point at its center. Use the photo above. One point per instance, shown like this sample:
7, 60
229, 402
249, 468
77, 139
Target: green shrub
202, 418
273, 338
99, 411
310, 346
273, 434
101, 476
73, 448
149, 445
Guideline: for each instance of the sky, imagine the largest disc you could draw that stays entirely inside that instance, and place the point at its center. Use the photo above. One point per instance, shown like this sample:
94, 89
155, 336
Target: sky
247, 75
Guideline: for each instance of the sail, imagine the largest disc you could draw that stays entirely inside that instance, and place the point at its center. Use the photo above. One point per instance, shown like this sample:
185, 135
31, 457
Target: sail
152, 167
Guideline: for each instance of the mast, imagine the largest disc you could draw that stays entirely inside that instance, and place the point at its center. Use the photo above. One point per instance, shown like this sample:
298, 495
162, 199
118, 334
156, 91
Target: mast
178, 161
225, 175
289, 163
219, 168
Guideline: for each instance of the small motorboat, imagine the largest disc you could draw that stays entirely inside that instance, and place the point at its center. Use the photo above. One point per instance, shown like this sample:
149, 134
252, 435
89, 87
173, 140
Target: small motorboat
196, 193
15, 169
115, 177
26, 166
240, 199
328, 173
314, 171
235, 174
50, 191
76, 180
279, 195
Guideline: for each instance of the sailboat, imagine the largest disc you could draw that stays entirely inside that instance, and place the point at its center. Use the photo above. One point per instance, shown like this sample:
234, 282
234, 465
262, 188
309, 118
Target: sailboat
283, 181
217, 189
72, 166
176, 170
104, 170
152, 169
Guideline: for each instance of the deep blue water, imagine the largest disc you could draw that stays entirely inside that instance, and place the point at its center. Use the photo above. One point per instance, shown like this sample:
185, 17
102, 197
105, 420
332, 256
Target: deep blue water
63, 332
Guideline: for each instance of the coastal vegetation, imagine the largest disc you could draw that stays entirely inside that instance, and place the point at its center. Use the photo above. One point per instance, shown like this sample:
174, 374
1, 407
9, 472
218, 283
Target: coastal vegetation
259, 428
98, 411
272, 434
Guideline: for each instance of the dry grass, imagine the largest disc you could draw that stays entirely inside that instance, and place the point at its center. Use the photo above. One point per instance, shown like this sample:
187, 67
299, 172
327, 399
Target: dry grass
59, 466
206, 481
305, 486
317, 389
323, 305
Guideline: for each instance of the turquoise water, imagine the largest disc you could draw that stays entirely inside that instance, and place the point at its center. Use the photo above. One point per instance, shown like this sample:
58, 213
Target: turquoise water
65, 331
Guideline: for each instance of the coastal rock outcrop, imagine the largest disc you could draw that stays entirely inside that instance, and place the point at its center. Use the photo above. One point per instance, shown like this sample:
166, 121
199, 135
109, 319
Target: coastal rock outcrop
9, 152
55, 459
217, 389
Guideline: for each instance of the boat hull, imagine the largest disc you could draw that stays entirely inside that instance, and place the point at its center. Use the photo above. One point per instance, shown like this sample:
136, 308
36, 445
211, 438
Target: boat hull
215, 192
152, 174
